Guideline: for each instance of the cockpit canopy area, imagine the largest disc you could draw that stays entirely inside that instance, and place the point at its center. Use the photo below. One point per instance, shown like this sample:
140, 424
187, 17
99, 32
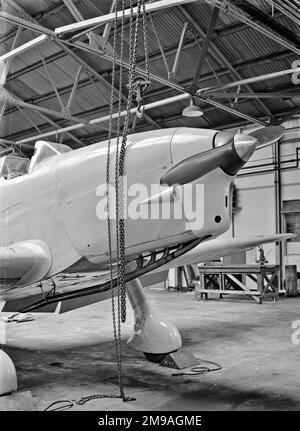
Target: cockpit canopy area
44, 150
14, 165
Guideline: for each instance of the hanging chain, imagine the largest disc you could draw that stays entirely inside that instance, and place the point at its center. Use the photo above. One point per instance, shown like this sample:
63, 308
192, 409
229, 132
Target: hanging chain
119, 314
117, 214
116, 332
145, 31
120, 196
84, 400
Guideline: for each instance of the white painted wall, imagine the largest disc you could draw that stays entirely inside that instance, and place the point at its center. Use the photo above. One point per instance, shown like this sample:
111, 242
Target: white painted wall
256, 197
291, 184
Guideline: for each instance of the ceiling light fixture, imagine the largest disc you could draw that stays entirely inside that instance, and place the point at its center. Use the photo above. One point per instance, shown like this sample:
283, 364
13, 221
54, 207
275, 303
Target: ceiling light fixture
192, 110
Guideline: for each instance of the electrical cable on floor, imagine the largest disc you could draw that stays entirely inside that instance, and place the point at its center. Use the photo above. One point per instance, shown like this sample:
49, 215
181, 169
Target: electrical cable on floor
199, 369
68, 404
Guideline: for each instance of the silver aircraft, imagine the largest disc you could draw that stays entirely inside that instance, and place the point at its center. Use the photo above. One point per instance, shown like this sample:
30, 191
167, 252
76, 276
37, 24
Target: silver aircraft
54, 209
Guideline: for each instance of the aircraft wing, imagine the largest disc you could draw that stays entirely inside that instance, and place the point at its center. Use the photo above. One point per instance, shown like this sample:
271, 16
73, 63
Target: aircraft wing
207, 250
23, 263
219, 247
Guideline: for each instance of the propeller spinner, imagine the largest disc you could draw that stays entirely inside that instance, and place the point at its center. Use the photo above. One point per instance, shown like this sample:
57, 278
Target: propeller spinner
230, 157
231, 152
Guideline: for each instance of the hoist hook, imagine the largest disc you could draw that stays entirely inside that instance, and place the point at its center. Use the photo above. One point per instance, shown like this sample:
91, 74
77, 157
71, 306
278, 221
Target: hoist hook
140, 111
139, 87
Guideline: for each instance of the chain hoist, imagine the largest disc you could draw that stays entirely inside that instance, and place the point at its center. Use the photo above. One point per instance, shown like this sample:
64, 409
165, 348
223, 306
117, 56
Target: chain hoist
140, 83
133, 39
119, 312
109, 226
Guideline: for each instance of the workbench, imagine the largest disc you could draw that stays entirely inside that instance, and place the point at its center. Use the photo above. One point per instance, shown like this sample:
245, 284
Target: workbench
232, 279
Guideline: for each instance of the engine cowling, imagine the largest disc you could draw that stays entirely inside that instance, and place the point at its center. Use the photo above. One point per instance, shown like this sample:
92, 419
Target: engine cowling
24, 263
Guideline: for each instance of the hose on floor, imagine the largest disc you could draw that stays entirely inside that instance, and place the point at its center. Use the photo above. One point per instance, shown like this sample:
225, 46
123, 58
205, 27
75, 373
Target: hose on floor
68, 404
200, 369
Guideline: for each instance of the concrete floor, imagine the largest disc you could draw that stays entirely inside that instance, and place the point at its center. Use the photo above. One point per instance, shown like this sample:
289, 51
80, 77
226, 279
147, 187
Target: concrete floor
72, 355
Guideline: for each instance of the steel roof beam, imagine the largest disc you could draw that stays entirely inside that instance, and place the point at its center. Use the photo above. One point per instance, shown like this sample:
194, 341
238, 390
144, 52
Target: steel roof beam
26, 24
73, 9
108, 26
152, 105
57, 126
234, 69
232, 111
32, 25
5, 71
2, 111
23, 48
240, 124
96, 137
100, 135
44, 30
40, 114
277, 89
284, 93
217, 53
73, 90
87, 69
232, 29
222, 95
198, 28
162, 3
156, 78
153, 77
7, 64
290, 13
98, 76
6, 142
106, 118
267, 21
251, 80
288, 116
178, 53
9, 98
165, 90
205, 47
104, 19
227, 7
166, 82
236, 124
78, 17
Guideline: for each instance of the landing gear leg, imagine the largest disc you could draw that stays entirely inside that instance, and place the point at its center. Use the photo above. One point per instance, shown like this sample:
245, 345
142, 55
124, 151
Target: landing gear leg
152, 336
8, 376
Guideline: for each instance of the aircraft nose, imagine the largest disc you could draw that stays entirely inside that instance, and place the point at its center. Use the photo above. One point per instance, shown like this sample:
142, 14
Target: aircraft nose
245, 146
230, 156
238, 153
223, 138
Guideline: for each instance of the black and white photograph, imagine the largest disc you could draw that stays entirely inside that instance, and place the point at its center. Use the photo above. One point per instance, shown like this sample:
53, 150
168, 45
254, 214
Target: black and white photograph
149, 213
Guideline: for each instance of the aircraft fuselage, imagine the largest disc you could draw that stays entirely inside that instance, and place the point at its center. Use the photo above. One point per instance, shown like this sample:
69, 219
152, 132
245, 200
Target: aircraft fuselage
59, 201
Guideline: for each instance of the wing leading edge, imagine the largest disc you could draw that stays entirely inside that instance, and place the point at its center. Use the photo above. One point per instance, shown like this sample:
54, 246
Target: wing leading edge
34, 259
219, 247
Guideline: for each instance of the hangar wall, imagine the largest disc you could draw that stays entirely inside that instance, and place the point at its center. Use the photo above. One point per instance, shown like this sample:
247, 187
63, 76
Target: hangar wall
256, 196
